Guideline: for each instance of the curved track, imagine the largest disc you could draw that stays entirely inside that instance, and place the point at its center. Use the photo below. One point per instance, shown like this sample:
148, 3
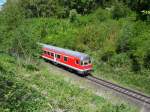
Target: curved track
136, 95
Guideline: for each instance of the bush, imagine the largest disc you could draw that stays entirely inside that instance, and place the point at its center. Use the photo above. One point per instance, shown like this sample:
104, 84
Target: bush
107, 56
40, 8
73, 16
31, 67
102, 15
120, 60
6, 64
14, 95
82, 6
124, 43
119, 11
17, 97
147, 60
136, 65
89, 36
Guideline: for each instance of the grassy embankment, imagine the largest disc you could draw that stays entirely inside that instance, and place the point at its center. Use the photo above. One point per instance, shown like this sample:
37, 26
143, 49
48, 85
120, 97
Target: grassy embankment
31, 86
119, 48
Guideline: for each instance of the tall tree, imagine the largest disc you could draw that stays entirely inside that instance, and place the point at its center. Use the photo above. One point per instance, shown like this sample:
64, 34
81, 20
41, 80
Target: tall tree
40, 8
10, 18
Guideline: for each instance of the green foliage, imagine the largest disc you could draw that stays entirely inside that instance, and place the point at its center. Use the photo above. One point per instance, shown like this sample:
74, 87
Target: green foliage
119, 47
6, 63
88, 36
14, 95
118, 108
12, 18
16, 36
136, 65
119, 10
139, 7
134, 41
73, 15
43, 90
124, 43
147, 60
120, 60
40, 8
57, 8
30, 67
9, 21
111, 41
20, 98
107, 56
82, 6
102, 15
61, 8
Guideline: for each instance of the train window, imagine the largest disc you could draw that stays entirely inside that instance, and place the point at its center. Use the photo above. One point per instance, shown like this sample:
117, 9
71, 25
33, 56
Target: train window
45, 52
58, 56
48, 53
65, 59
52, 54
86, 63
77, 61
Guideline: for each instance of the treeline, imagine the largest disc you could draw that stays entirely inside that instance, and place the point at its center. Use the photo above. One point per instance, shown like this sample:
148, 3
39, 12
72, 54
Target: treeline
61, 8
16, 36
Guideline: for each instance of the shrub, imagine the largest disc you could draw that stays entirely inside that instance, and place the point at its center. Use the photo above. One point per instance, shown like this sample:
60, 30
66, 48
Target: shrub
31, 67
136, 65
147, 60
119, 11
120, 60
14, 95
82, 6
40, 8
89, 37
101, 15
73, 16
107, 56
6, 64
124, 43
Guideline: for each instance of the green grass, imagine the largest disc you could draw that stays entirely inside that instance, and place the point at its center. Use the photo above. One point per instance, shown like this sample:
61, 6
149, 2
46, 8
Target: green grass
124, 77
42, 90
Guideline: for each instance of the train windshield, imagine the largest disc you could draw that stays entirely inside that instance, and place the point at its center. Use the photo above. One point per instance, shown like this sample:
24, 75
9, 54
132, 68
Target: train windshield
86, 62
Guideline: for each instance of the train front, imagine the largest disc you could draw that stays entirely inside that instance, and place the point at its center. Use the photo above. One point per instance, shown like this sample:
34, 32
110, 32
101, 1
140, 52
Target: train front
86, 65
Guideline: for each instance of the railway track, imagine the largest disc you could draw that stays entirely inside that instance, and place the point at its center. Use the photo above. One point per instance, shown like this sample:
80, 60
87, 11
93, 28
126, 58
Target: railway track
136, 95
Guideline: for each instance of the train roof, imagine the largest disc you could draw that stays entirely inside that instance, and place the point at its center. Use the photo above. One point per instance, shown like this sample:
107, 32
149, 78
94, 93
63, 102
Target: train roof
77, 54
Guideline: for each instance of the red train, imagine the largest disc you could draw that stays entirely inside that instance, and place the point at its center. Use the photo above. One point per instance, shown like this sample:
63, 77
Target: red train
74, 60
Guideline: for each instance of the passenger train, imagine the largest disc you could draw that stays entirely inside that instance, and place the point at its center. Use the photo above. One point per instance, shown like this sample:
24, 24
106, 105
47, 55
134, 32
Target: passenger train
80, 62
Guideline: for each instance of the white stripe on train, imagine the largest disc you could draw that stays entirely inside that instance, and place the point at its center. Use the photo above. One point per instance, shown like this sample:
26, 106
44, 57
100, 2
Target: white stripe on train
67, 65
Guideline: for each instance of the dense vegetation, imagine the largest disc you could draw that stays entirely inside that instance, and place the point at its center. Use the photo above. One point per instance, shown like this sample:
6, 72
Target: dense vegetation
15, 37
115, 34
26, 88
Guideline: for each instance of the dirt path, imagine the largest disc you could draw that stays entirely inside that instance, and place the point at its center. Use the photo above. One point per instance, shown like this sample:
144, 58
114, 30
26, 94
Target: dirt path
108, 94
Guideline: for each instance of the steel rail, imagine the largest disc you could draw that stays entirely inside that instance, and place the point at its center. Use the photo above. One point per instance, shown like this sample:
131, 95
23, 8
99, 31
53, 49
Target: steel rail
131, 93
